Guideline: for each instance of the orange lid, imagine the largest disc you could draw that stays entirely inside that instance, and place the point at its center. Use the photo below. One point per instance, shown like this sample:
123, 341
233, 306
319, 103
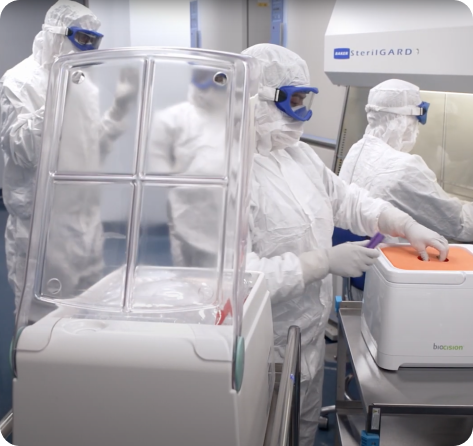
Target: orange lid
407, 258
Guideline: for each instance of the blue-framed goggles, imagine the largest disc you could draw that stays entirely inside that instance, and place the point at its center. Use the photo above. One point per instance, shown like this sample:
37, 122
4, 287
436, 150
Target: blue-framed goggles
296, 102
83, 39
424, 106
420, 111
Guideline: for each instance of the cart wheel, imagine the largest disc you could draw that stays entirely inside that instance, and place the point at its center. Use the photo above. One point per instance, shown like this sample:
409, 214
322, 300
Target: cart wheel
323, 423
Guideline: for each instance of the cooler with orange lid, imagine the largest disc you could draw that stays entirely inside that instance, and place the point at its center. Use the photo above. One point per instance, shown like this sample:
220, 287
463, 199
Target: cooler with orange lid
419, 314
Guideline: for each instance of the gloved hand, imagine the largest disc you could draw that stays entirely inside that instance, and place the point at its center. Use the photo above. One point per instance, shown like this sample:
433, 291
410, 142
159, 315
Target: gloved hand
351, 259
346, 260
396, 223
126, 92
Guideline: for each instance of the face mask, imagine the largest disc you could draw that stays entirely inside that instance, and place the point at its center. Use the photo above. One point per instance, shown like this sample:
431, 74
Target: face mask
274, 129
410, 138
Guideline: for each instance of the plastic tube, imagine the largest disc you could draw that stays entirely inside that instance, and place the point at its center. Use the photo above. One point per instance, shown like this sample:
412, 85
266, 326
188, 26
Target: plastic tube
375, 241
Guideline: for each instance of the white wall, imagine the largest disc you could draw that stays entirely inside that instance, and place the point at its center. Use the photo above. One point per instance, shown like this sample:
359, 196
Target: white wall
143, 22
115, 18
307, 21
223, 25
20, 21
259, 22
159, 23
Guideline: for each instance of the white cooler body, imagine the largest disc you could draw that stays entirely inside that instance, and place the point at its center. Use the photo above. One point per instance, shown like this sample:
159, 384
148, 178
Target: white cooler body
418, 318
119, 383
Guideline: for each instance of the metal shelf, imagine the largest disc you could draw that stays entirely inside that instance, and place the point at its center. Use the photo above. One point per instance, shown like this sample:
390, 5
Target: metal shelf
6, 425
402, 430
444, 387
412, 402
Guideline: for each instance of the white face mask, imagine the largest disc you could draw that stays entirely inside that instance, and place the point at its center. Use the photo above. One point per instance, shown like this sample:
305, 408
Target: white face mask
410, 137
274, 129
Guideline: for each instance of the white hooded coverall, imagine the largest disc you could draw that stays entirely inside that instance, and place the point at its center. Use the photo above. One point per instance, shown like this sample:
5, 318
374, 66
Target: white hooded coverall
189, 138
381, 163
295, 204
88, 136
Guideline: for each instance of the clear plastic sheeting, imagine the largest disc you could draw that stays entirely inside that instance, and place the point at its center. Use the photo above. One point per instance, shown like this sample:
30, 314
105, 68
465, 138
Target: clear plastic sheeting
142, 198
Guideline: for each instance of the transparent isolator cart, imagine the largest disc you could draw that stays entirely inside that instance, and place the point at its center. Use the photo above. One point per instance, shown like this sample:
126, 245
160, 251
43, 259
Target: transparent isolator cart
138, 318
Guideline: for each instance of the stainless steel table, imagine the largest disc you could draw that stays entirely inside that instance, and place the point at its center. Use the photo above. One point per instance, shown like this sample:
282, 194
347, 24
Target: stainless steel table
423, 406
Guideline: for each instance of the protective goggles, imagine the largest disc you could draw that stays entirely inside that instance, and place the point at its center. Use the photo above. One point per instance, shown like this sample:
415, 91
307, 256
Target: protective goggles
83, 39
296, 102
419, 111
204, 78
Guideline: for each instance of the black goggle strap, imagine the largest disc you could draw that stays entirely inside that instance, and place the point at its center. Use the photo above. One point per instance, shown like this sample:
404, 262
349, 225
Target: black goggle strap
271, 94
279, 95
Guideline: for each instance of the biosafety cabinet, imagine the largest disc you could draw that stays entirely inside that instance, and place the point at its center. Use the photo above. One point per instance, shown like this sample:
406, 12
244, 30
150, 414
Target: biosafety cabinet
372, 41
139, 323
411, 391
367, 43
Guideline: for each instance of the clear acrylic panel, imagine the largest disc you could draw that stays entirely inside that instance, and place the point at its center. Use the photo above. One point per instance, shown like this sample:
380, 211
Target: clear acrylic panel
185, 273
100, 122
166, 244
188, 120
458, 164
353, 124
79, 250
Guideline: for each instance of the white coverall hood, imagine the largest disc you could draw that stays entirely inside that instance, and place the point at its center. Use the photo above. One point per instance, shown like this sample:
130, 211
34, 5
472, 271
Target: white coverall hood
22, 104
280, 67
295, 203
48, 46
398, 131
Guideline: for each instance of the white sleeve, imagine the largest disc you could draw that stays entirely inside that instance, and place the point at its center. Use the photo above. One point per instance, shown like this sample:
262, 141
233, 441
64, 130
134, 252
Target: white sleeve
466, 218
161, 147
418, 194
111, 128
353, 207
21, 129
283, 274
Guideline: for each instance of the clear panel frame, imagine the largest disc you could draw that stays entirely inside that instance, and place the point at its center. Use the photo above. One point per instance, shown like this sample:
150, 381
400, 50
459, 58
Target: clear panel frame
131, 219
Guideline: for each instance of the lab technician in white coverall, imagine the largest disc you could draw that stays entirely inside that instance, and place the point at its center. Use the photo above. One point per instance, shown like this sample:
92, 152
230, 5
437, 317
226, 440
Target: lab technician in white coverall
75, 247
381, 163
188, 138
296, 202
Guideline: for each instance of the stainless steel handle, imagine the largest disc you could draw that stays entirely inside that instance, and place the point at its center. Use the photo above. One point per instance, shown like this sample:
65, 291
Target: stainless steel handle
285, 430
6, 425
